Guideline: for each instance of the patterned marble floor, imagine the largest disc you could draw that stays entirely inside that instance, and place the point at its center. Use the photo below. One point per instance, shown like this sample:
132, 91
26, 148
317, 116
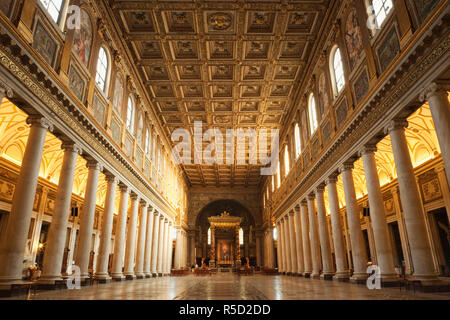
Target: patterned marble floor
231, 287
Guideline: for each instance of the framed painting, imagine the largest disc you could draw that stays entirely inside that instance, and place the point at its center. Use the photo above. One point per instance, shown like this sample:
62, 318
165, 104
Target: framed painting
353, 38
341, 113
361, 86
82, 38
76, 83
44, 44
99, 110
388, 49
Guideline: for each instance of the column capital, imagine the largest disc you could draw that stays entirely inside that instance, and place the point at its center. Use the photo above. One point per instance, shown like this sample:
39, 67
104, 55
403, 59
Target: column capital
156, 213
5, 91
134, 196
111, 178
94, 164
297, 207
71, 146
395, 125
291, 212
161, 217
40, 121
432, 89
311, 196
331, 179
346, 166
369, 148
320, 188
123, 188
303, 202
170, 223
150, 208
143, 202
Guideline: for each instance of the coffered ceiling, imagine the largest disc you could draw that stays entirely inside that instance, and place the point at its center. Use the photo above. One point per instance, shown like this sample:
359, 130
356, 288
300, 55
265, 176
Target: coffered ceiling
230, 64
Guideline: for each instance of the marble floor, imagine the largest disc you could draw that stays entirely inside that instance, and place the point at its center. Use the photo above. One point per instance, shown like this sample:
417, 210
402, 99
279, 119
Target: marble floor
224, 286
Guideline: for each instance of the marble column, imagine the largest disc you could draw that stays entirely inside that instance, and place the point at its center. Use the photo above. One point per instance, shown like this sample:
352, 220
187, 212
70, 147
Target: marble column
287, 245
258, 250
298, 242
342, 272
292, 243
279, 248
271, 249
437, 97
327, 260
148, 244
305, 239
15, 237
165, 248
131, 238
385, 259
178, 246
314, 238
155, 243
359, 253
140, 252
87, 219
119, 239
161, 245
105, 237
56, 239
169, 248
413, 212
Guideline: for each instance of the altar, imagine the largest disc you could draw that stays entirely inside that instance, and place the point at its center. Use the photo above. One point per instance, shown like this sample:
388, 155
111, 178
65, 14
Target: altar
225, 249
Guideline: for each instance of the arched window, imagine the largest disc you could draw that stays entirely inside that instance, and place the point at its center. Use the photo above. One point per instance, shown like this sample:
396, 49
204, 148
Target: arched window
380, 9
337, 70
298, 144
130, 114
275, 233
286, 161
54, 8
278, 175
209, 236
312, 111
102, 69
241, 236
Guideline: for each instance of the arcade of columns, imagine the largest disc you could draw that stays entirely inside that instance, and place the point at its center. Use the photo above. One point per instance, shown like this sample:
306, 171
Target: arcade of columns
142, 250
304, 246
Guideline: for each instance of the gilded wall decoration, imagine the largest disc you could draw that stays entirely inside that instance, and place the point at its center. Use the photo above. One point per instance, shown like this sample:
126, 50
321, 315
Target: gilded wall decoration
431, 190
388, 49
6, 190
118, 94
82, 38
324, 99
341, 113
361, 86
44, 43
99, 110
389, 206
353, 38
76, 83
